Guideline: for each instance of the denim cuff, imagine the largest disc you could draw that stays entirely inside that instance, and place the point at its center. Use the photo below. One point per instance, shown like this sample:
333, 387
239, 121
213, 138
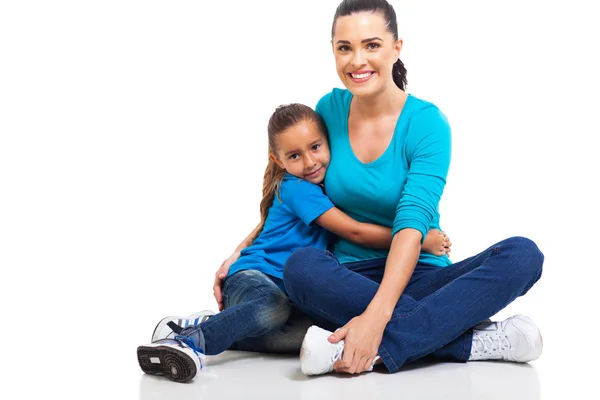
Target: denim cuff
195, 333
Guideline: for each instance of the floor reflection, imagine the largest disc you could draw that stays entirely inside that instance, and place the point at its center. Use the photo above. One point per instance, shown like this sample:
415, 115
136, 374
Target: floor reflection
244, 375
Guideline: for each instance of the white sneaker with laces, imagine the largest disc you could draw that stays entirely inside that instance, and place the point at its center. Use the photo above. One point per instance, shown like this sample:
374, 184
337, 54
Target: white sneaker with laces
515, 339
318, 355
164, 331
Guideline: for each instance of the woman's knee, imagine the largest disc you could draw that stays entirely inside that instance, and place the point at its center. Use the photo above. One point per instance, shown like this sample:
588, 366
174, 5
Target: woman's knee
300, 266
306, 272
527, 253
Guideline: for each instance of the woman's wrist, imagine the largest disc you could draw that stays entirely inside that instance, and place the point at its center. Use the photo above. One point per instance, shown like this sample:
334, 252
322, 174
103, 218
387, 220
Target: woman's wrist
379, 312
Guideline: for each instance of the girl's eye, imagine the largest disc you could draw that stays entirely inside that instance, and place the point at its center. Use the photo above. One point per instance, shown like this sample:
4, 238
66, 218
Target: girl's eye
293, 156
372, 46
344, 48
316, 146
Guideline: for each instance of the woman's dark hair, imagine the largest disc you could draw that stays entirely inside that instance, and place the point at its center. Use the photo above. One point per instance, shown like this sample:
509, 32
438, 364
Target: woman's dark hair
348, 7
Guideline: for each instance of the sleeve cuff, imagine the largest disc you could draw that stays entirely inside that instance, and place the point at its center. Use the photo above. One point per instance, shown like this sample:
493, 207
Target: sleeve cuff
420, 227
316, 212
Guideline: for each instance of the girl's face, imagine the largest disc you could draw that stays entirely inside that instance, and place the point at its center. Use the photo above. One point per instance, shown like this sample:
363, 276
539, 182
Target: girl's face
303, 151
365, 52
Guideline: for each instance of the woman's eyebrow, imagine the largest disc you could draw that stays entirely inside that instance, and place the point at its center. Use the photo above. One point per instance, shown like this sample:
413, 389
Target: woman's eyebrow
362, 41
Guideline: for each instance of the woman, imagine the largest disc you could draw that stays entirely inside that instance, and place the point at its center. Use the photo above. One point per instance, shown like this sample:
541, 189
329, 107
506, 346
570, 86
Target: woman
390, 158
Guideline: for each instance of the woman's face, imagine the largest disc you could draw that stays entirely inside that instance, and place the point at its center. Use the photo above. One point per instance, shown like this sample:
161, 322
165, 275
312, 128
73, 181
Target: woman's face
365, 52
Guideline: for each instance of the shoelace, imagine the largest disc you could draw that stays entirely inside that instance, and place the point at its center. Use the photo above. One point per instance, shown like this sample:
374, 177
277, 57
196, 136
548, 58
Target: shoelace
187, 341
337, 354
494, 343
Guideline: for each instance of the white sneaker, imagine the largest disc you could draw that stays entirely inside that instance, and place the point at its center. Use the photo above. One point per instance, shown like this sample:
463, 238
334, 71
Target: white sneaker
515, 339
177, 359
317, 354
164, 331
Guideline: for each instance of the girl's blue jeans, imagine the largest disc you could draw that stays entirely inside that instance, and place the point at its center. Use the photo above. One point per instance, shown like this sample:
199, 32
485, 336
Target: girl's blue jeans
257, 316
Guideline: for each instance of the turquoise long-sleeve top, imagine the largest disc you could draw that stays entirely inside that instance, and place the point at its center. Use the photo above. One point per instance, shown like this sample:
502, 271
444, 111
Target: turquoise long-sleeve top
400, 189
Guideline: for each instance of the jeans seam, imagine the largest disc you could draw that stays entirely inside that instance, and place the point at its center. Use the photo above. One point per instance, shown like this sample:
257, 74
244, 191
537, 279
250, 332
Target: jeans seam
421, 304
313, 306
463, 355
495, 251
248, 284
388, 357
434, 294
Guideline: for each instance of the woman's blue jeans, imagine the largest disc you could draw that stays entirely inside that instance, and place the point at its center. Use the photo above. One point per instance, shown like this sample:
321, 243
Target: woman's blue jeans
436, 311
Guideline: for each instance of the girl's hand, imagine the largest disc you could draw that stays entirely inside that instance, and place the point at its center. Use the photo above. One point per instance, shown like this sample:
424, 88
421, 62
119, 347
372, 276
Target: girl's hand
447, 244
362, 337
220, 275
437, 243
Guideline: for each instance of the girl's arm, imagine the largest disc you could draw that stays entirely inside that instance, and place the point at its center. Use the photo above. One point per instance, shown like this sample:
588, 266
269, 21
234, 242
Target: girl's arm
376, 236
249, 239
224, 268
370, 235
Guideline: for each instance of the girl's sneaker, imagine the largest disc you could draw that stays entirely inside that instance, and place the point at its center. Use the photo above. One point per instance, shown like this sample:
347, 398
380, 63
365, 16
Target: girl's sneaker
177, 359
164, 329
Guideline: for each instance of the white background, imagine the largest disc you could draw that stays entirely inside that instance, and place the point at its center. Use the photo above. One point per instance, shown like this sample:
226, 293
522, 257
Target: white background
133, 143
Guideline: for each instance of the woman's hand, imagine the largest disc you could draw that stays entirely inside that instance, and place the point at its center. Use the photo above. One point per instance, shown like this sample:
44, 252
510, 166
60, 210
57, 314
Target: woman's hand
437, 243
220, 275
362, 337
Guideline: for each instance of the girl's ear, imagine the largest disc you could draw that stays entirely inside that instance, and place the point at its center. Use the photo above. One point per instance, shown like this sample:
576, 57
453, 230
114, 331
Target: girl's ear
274, 158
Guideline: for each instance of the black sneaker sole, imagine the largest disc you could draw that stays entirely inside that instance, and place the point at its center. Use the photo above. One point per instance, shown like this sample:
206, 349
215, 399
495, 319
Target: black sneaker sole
172, 363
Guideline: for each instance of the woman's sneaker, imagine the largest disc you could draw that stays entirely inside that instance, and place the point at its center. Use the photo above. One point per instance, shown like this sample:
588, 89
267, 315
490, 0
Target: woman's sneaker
318, 355
170, 326
515, 339
177, 359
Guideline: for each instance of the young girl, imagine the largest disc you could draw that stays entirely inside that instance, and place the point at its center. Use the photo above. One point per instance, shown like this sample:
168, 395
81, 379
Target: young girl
295, 213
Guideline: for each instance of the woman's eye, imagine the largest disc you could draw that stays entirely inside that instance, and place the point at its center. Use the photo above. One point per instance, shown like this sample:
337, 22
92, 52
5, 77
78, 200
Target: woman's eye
316, 147
372, 46
344, 48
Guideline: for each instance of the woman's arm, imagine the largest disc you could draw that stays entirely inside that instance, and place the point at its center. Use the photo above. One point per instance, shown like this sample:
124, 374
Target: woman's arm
428, 142
363, 334
428, 146
399, 267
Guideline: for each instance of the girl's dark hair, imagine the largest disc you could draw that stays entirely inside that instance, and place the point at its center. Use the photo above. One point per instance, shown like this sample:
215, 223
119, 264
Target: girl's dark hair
284, 117
348, 7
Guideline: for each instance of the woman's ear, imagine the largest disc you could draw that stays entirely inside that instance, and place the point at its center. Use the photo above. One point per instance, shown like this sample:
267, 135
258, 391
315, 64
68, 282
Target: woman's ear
274, 158
398, 48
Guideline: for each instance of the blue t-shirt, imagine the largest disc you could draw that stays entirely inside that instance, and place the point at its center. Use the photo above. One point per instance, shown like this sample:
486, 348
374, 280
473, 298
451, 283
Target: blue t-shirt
288, 227
402, 188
